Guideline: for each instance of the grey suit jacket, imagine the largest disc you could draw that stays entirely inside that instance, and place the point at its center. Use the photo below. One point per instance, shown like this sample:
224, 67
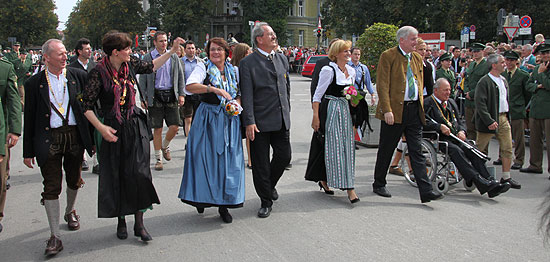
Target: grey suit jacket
265, 91
178, 78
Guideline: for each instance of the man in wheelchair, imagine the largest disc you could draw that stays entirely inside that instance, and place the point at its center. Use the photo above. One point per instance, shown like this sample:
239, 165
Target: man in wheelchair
442, 116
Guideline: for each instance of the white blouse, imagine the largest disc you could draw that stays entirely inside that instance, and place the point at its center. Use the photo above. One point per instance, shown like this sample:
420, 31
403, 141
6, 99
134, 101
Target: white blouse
326, 76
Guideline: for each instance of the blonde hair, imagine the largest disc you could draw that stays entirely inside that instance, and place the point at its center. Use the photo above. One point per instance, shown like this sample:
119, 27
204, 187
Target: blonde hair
337, 47
539, 38
240, 51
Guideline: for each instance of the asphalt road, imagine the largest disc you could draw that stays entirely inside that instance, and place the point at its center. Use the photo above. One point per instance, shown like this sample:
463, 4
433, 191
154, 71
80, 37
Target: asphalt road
305, 225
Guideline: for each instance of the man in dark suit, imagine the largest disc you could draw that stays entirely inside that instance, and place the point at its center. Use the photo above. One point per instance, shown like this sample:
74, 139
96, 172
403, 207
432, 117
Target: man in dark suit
265, 88
83, 52
56, 133
400, 107
443, 117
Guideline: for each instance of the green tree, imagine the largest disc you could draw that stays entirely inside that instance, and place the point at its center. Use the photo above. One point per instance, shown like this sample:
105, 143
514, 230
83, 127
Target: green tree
32, 22
186, 17
375, 40
93, 18
154, 14
274, 12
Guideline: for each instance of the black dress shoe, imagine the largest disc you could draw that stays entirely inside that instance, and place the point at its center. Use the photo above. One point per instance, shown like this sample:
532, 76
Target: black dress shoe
425, 198
381, 191
288, 167
274, 194
497, 162
513, 183
499, 189
224, 214
264, 212
121, 231
530, 170
95, 169
516, 166
142, 232
200, 210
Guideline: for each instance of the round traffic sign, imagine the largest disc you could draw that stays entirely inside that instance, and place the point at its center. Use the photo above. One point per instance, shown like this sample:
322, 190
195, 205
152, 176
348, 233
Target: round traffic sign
152, 33
525, 21
472, 28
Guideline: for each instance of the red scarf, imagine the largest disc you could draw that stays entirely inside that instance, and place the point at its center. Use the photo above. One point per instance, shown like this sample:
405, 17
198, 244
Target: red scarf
118, 81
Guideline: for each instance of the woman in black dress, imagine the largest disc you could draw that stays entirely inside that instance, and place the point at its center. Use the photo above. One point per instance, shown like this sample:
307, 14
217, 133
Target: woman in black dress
125, 183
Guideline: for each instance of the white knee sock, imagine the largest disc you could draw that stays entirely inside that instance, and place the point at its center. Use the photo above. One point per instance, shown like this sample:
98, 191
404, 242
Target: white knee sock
52, 211
71, 199
505, 175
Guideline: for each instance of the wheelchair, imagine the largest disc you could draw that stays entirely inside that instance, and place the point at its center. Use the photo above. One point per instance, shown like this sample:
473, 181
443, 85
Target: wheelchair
439, 167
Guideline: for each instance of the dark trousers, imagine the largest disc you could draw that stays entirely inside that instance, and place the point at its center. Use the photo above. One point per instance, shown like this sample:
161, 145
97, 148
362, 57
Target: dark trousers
470, 166
266, 173
66, 151
411, 127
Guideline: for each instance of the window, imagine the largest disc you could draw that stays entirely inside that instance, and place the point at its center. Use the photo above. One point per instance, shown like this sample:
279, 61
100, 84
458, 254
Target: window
301, 38
301, 8
291, 10
290, 34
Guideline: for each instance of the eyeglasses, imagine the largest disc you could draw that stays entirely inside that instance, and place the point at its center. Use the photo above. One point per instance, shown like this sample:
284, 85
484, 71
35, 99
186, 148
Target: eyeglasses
219, 49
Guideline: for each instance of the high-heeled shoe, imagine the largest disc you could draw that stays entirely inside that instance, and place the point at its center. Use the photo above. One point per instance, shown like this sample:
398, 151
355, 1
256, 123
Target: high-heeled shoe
327, 191
142, 232
355, 200
121, 231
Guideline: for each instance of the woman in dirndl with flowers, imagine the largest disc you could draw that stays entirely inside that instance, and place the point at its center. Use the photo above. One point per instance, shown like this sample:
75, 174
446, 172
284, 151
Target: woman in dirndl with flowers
213, 174
333, 165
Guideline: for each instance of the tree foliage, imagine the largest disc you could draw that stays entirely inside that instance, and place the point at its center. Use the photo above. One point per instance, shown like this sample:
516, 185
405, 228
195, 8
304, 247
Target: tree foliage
375, 40
351, 17
189, 16
32, 22
274, 12
93, 18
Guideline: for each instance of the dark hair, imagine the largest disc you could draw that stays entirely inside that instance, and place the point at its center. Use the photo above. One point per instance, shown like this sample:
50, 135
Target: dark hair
456, 48
189, 42
218, 41
115, 40
80, 43
354, 48
159, 33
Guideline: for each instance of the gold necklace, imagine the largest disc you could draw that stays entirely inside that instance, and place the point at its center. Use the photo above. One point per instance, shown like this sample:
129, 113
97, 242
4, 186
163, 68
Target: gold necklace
60, 105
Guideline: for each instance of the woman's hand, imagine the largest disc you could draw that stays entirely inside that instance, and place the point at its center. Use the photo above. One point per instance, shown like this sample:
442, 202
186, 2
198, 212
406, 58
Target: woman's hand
222, 93
315, 123
108, 133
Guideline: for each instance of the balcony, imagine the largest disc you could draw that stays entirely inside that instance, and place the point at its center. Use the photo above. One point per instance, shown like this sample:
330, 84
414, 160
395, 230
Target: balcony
227, 19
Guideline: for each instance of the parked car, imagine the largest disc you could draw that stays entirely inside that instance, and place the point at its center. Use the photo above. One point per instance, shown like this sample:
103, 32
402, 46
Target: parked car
309, 65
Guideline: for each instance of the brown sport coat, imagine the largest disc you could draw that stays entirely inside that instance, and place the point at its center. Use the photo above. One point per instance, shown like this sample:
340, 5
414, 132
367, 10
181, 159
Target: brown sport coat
390, 83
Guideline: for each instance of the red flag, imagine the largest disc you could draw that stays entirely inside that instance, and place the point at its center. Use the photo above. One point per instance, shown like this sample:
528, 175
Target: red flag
136, 40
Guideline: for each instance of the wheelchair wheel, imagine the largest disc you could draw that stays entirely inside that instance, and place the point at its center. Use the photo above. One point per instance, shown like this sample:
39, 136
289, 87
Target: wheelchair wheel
441, 185
453, 177
429, 153
468, 186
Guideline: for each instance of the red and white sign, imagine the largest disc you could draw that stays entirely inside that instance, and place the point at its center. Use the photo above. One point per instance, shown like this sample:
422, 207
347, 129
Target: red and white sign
525, 21
436, 40
510, 31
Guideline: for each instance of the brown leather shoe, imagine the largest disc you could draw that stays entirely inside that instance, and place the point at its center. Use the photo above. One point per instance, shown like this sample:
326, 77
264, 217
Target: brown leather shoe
166, 153
54, 246
73, 220
396, 171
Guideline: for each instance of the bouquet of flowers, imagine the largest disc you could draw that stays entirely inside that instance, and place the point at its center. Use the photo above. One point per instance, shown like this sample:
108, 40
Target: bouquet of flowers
352, 95
233, 108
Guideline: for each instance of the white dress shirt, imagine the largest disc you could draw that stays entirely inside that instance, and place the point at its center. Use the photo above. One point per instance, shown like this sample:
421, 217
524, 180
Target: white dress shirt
326, 76
407, 80
503, 94
57, 87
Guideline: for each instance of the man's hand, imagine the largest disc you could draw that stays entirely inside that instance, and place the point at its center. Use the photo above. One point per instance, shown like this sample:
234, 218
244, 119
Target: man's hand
540, 86
181, 100
493, 126
445, 130
251, 131
176, 44
11, 140
388, 117
29, 162
543, 67
461, 135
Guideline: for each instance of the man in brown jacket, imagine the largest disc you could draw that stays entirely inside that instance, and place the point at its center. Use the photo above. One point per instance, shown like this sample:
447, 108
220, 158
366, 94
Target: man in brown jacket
400, 107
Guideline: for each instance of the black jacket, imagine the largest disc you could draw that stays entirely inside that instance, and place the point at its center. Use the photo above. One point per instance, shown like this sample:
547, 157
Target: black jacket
432, 109
36, 127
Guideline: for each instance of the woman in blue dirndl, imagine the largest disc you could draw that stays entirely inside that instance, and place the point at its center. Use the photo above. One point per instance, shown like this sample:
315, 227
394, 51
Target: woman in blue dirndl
213, 174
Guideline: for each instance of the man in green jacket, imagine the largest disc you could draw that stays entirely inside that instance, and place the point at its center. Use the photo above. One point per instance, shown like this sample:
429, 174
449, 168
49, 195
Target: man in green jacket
10, 123
539, 114
477, 69
23, 70
491, 118
518, 98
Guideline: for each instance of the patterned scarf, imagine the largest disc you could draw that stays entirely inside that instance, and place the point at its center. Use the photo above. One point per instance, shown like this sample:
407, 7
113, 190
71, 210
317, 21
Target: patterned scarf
216, 80
119, 81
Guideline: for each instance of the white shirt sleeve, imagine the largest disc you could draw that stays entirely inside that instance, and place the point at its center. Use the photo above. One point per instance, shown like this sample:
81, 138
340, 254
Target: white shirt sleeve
197, 76
237, 74
325, 79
